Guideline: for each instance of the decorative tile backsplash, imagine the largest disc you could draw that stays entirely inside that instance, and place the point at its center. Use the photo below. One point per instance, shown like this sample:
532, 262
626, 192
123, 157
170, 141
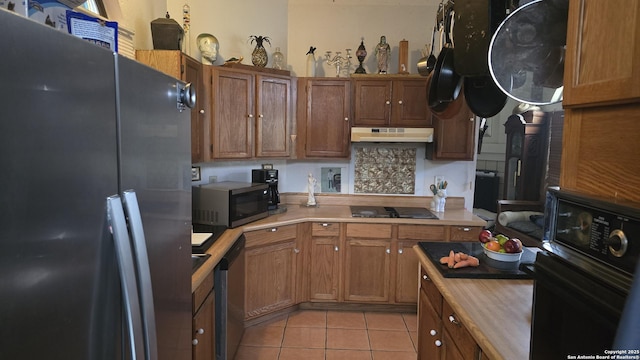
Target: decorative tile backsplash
384, 170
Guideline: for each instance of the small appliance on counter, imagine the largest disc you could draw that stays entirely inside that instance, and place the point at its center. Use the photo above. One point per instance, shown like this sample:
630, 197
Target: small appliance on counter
229, 203
269, 177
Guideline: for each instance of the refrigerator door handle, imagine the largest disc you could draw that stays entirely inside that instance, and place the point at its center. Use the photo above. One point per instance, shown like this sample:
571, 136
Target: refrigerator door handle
118, 227
136, 228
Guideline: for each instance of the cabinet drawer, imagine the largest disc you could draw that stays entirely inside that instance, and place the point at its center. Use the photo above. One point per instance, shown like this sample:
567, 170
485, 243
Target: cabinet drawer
270, 235
463, 339
465, 233
325, 229
369, 231
201, 292
429, 288
421, 232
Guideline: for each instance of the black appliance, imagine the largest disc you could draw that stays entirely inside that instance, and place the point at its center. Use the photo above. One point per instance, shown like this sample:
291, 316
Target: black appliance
229, 203
229, 283
584, 277
269, 177
391, 212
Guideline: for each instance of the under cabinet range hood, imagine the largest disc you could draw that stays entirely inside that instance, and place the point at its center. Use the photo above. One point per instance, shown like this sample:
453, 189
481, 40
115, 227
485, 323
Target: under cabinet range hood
385, 134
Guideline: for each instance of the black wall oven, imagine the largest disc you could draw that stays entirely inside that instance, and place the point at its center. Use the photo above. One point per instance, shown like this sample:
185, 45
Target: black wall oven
584, 277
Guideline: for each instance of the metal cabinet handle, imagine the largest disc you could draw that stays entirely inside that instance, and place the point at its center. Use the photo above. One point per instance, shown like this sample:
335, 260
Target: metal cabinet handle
400, 251
465, 229
273, 230
400, 102
250, 116
425, 277
388, 251
336, 248
433, 332
346, 119
438, 343
326, 225
200, 331
261, 116
195, 342
453, 320
387, 102
201, 111
297, 251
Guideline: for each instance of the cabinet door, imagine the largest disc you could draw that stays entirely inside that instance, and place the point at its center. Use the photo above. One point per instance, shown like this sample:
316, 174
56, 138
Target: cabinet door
324, 269
409, 106
603, 45
193, 74
270, 278
454, 138
273, 106
372, 103
406, 273
233, 109
367, 262
204, 330
429, 331
465, 346
325, 119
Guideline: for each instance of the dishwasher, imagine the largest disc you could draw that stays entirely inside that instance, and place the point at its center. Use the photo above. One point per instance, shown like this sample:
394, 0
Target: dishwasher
229, 296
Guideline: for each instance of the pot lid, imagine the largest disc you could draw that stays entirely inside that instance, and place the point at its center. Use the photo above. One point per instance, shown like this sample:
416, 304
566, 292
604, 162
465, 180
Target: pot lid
526, 54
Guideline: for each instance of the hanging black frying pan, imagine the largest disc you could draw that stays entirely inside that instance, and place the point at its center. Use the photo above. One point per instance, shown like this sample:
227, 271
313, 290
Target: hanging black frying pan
483, 96
445, 83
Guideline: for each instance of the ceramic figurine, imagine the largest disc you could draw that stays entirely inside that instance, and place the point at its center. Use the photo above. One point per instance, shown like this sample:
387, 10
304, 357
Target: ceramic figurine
383, 51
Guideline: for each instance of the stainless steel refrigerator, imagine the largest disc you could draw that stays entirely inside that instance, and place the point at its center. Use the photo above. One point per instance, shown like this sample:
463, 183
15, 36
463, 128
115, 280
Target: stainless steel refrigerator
80, 125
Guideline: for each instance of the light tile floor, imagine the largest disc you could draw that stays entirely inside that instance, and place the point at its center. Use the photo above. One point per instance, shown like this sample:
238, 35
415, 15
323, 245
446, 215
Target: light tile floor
332, 335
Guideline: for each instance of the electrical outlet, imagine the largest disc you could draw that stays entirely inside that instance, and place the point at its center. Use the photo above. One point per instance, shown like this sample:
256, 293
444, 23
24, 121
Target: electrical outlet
438, 179
213, 179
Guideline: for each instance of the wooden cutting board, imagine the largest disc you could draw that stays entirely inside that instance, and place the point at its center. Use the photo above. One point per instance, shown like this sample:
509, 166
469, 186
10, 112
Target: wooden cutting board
197, 239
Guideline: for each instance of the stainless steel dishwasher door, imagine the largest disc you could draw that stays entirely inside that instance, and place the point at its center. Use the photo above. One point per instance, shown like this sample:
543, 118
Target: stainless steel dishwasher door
229, 282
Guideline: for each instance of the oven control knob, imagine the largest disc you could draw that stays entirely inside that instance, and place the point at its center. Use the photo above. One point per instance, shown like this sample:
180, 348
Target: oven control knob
617, 243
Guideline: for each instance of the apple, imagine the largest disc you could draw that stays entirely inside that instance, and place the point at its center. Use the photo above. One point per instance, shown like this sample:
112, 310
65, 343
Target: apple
512, 246
485, 236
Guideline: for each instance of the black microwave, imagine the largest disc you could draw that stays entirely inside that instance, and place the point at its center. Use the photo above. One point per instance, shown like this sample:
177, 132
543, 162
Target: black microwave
230, 203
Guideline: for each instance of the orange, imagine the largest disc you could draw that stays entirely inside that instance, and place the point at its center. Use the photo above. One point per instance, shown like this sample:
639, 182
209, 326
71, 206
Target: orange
493, 245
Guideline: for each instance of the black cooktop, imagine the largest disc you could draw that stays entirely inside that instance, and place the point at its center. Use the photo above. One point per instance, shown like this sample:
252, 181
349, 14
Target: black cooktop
392, 212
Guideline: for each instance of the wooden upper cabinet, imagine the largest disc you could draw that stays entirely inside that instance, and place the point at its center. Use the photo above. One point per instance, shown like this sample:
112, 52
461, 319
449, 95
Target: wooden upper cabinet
603, 45
232, 119
181, 66
397, 102
273, 116
323, 118
454, 138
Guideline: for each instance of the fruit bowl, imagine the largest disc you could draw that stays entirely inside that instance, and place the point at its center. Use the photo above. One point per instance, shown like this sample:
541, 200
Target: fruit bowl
508, 257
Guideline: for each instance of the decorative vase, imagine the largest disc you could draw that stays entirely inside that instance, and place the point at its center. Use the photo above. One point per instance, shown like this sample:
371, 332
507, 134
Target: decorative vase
278, 59
311, 62
259, 55
361, 53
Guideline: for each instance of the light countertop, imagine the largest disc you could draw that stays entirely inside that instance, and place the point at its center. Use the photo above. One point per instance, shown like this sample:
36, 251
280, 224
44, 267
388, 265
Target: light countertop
496, 312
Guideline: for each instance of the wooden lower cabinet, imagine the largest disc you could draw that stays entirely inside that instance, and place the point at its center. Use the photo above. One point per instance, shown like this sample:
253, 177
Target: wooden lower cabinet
324, 268
271, 263
203, 321
367, 263
441, 335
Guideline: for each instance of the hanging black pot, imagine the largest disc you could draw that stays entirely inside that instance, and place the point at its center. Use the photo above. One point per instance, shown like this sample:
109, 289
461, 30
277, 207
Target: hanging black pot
483, 96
